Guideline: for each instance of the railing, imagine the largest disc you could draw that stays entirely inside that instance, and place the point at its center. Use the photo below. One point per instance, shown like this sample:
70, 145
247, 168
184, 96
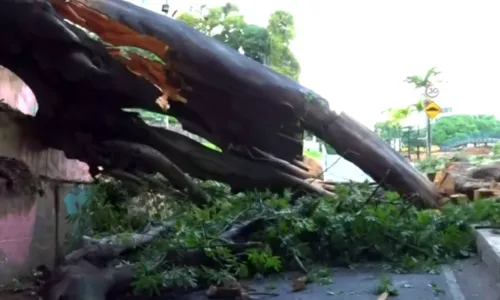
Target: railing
475, 138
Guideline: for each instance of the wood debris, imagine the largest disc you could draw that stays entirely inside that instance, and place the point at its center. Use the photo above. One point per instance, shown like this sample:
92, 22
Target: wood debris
299, 284
383, 296
461, 180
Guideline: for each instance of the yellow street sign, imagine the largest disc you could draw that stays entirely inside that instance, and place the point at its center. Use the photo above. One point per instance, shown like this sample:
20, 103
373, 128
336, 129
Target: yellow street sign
432, 110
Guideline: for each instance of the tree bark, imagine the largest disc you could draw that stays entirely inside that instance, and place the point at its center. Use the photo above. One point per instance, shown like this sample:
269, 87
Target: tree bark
205, 62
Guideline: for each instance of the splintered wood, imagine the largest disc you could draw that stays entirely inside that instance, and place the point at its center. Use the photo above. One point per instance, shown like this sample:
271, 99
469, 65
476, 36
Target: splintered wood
154, 72
117, 34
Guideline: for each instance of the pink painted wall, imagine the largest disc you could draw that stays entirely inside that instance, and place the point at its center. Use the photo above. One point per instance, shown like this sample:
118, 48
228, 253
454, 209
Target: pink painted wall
16, 234
28, 235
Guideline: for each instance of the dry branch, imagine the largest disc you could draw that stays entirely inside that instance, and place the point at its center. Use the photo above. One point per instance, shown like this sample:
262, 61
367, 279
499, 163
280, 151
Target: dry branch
88, 273
153, 159
102, 250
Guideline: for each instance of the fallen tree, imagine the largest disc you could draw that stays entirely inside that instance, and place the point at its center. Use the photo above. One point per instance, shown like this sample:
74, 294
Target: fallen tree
199, 80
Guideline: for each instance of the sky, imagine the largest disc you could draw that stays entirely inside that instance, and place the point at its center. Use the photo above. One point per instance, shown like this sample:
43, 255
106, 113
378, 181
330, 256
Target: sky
356, 54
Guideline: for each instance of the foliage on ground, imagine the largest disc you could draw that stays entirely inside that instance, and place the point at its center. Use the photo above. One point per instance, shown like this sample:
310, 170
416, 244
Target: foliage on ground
354, 226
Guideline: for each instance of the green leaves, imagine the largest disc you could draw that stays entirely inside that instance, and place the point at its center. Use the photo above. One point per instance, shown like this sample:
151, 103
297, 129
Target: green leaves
264, 260
343, 229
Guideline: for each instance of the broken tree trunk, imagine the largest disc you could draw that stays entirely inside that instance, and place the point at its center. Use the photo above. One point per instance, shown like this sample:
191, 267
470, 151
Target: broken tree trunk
209, 67
81, 109
215, 92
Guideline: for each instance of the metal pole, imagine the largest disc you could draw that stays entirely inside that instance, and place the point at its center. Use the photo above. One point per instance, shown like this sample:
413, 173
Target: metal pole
429, 137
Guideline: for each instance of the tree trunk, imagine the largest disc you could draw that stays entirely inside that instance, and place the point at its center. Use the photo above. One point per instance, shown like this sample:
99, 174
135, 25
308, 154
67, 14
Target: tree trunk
213, 90
198, 58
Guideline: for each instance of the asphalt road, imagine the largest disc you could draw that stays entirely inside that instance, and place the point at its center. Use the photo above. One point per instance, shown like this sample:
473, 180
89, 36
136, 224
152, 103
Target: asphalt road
465, 280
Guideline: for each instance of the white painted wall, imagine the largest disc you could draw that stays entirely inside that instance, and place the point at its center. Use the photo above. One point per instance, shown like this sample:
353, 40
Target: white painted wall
339, 169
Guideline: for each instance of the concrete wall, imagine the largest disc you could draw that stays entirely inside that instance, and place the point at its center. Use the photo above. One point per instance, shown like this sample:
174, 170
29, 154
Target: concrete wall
33, 228
14, 143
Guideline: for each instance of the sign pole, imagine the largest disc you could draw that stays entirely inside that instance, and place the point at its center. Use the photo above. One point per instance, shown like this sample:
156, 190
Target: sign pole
429, 137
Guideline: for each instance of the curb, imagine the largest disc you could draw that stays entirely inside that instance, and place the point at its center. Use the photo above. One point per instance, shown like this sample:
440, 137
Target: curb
488, 250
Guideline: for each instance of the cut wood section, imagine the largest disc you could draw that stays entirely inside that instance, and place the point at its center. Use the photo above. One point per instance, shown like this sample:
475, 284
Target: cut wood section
459, 198
446, 184
483, 193
314, 167
476, 182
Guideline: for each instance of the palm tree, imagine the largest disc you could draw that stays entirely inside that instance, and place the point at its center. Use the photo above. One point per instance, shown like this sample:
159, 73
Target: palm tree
420, 82
397, 115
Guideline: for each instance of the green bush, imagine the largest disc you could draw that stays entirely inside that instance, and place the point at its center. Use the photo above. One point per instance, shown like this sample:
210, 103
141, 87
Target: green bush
346, 229
430, 164
496, 150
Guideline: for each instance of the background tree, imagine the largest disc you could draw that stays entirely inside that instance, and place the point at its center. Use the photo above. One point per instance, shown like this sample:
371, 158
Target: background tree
268, 45
411, 138
388, 130
281, 29
444, 129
